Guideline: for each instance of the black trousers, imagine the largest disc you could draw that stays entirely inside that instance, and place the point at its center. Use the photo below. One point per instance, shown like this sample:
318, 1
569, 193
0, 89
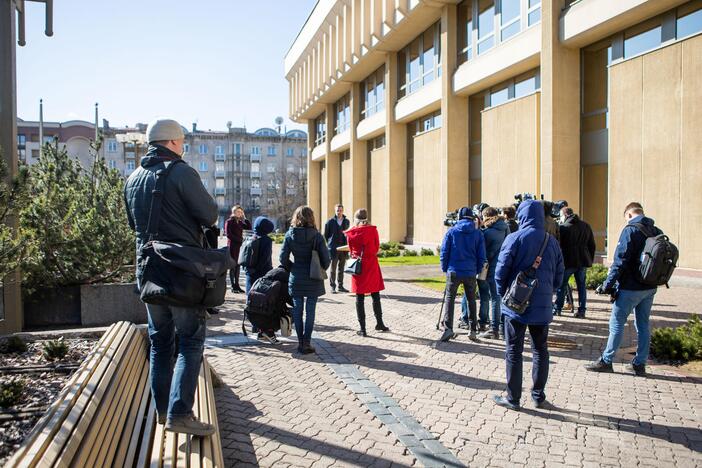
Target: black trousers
361, 309
514, 347
234, 277
338, 261
452, 284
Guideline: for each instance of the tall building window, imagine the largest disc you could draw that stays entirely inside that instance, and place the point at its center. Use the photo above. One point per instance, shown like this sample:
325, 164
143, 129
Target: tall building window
255, 150
186, 148
486, 25
373, 89
424, 124
342, 115
202, 148
688, 23
130, 165
320, 129
272, 151
509, 18
420, 61
219, 150
113, 164
303, 152
636, 43
236, 149
514, 88
203, 166
290, 152
465, 30
534, 12
111, 146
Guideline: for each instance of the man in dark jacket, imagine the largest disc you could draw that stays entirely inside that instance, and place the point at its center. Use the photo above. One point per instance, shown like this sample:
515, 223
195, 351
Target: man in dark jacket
334, 235
578, 247
518, 254
462, 257
186, 207
630, 293
263, 263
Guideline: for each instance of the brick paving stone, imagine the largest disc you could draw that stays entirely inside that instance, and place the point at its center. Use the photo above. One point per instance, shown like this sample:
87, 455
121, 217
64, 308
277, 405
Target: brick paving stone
274, 400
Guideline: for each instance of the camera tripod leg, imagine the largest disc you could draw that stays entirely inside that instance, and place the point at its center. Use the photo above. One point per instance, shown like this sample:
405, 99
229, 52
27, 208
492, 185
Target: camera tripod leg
441, 311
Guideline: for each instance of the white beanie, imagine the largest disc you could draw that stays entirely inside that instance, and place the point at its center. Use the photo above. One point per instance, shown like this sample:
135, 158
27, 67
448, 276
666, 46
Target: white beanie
164, 130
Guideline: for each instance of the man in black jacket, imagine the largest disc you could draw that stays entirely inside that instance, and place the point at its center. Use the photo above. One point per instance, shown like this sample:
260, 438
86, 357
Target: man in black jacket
334, 235
578, 247
186, 207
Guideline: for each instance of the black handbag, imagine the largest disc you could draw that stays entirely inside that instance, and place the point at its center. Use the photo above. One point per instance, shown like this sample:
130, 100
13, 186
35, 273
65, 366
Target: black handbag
519, 293
173, 274
353, 265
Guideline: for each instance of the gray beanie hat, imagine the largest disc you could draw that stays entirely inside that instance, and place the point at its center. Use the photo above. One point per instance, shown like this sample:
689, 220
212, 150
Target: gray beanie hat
164, 130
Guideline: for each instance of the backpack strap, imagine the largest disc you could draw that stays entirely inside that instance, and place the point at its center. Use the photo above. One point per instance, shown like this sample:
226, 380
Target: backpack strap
157, 197
537, 261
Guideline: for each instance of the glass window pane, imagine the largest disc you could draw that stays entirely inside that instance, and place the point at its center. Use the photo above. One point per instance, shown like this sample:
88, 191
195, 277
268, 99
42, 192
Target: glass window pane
486, 45
380, 95
428, 52
510, 10
437, 121
642, 42
510, 31
522, 88
500, 96
414, 61
533, 3
534, 17
690, 24
486, 18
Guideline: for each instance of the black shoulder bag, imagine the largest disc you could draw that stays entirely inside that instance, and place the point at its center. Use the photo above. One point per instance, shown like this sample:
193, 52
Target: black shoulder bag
519, 293
175, 274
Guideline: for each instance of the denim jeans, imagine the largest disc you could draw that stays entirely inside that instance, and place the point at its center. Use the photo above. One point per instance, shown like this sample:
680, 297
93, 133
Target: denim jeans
174, 388
582, 289
489, 301
640, 302
452, 283
310, 306
514, 342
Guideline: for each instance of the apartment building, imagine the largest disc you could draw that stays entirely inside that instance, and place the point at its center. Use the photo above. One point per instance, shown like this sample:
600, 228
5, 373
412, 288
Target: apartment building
264, 171
415, 108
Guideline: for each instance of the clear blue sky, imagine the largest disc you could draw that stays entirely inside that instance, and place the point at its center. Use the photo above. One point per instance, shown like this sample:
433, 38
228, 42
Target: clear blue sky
208, 61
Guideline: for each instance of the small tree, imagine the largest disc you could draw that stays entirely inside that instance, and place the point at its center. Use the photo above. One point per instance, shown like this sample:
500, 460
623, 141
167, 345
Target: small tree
13, 193
77, 222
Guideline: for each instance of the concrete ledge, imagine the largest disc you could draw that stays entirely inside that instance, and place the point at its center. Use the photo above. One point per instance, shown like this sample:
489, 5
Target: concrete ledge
421, 102
105, 304
371, 126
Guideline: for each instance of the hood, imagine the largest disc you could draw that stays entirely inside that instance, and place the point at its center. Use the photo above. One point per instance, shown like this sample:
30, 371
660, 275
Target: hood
263, 226
465, 225
531, 214
359, 230
303, 234
156, 155
498, 223
643, 220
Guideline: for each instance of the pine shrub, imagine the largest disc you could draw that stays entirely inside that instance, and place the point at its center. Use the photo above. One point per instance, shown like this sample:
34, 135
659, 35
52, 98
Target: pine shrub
678, 344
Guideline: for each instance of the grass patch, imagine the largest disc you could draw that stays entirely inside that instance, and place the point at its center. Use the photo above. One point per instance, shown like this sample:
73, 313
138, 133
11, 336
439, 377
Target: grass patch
437, 283
407, 260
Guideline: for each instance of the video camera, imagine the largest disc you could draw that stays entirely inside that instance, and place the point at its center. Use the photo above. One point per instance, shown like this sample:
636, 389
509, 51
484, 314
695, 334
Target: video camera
451, 218
521, 197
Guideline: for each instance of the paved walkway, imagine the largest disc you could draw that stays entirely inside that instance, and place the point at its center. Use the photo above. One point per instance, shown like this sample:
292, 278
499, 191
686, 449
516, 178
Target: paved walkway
399, 399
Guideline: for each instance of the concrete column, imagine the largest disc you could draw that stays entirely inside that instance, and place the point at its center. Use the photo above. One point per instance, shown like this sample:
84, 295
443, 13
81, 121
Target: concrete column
454, 120
333, 172
395, 217
314, 182
11, 317
560, 111
359, 155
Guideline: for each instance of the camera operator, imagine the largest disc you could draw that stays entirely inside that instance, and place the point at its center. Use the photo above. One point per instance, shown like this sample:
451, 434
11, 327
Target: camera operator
550, 223
578, 247
462, 257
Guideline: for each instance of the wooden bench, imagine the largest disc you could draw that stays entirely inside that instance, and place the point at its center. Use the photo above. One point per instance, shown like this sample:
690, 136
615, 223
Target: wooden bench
105, 416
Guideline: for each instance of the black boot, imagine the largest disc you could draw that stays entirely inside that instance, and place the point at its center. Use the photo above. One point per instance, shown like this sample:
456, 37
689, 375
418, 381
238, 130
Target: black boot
300, 345
378, 311
307, 347
361, 314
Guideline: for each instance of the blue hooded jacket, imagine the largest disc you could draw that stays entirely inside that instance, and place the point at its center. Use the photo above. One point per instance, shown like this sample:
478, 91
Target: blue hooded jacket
262, 227
495, 234
463, 250
518, 254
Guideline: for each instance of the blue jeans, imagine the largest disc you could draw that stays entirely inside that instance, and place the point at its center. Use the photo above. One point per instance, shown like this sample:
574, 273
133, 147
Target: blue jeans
298, 304
514, 348
174, 388
489, 300
640, 302
582, 289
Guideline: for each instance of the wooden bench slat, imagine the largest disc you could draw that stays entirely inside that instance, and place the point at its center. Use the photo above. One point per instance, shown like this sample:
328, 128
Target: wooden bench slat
206, 457
157, 450
134, 426
36, 442
212, 409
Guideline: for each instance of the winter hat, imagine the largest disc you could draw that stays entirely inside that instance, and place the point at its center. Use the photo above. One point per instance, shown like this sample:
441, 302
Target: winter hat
164, 130
465, 213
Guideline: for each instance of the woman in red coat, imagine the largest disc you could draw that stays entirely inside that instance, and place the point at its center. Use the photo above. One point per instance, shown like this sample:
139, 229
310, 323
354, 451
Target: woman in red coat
364, 243
234, 230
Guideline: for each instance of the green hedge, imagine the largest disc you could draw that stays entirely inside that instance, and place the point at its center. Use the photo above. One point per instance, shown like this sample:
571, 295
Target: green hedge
594, 276
678, 344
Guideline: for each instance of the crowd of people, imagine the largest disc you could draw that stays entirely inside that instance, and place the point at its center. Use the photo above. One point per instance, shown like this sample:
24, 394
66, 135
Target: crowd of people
514, 261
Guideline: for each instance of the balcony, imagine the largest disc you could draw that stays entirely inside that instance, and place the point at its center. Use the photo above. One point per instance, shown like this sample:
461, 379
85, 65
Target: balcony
255, 157
255, 191
220, 191
220, 157
220, 174
255, 175
129, 155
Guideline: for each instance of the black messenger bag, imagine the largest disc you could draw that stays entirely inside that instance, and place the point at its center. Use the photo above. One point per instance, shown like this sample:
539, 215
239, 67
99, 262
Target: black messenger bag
175, 274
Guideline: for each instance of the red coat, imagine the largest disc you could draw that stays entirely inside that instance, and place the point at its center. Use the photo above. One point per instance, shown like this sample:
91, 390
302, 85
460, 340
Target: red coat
234, 230
363, 241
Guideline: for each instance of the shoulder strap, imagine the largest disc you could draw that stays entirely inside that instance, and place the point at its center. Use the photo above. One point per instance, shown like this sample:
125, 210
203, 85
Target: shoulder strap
645, 230
157, 198
537, 261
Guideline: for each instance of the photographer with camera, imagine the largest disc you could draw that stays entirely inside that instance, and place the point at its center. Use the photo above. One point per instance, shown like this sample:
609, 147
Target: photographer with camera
462, 257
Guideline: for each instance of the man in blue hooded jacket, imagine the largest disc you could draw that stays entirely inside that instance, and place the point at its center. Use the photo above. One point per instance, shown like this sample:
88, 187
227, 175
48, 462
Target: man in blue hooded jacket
518, 254
462, 257
631, 294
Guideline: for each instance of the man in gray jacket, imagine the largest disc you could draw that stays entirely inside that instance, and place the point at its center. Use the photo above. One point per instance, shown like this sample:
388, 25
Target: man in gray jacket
185, 209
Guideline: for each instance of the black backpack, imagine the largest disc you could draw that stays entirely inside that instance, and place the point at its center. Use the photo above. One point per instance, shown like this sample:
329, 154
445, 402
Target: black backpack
248, 255
658, 259
263, 304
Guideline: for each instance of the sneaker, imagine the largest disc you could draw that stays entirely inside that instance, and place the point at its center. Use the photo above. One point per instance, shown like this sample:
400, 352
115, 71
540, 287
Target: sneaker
463, 324
580, 315
382, 328
343, 289
307, 347
332, 286
361, 333
599, 366
473, 336
272, 339
637, 369
263, 337
490, 335
505, 403
189, 425
447, 335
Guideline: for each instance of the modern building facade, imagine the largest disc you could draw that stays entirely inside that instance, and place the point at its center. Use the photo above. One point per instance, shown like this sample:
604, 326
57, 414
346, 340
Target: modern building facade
416, 107
265, 171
